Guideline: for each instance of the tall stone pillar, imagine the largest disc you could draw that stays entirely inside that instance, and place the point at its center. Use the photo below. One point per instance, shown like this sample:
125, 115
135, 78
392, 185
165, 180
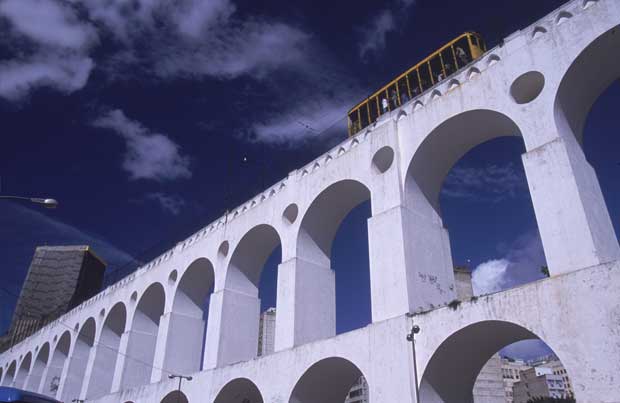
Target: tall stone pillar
184, 344
160, 347
117, 379
232, 331
306, 303
410, 263
573, 220
89, 370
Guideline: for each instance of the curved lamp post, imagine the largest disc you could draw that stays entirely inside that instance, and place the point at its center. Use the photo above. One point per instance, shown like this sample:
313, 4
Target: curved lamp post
47, 203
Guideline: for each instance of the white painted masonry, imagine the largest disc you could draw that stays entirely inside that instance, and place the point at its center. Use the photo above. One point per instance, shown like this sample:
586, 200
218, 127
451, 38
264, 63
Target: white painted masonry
539, 84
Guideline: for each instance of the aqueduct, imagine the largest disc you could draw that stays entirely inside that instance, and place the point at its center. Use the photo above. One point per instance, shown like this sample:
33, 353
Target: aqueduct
121, 345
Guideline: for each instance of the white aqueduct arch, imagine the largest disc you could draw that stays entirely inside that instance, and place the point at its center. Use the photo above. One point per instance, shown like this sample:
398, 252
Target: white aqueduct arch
540, 85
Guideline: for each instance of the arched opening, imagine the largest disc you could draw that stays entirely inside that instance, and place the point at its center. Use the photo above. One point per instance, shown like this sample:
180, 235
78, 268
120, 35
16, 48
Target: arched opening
468, 176
79, 359
38, 366
106, 354
175, 397
451, 372
54, 370
251, 278
143, 337
593, 71
22, 373
240, 390
327, 381
586, 108
190, 310
334, 225
10, 374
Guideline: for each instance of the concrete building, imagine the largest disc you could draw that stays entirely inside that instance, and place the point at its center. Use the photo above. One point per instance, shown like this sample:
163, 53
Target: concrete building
59, 279
511, 374
538, 382
121, 345
267, 332
358, 392
551, 361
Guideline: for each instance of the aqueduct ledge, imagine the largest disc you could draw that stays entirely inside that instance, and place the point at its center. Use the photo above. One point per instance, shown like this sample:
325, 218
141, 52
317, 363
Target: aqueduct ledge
398, 164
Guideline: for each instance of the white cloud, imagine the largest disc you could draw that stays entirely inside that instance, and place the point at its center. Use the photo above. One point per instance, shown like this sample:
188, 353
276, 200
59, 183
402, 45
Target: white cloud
490, 276
374, 38
59, 58
185, 38
491, 183
48, 22
149, 155
251, 48
314, 118
66, 74
170, 203
520, 264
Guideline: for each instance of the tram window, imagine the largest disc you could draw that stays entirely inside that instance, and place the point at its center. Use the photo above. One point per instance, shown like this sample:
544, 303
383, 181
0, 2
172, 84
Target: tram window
354, 122
414, 83
364, 115
374, 109
462, 52
436, 69
448, 61
403, 90
425, 77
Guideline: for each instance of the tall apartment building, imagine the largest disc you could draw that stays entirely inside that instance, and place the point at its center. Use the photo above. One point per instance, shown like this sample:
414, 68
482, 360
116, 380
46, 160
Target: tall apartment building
538, 382
267, 332
59, 278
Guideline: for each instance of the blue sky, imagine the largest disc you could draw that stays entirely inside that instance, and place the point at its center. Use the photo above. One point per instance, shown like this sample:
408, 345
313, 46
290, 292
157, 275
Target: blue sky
137, 117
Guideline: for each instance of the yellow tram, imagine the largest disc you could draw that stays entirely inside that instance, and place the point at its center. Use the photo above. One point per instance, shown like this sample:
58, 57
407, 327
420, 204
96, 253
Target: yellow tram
441, 64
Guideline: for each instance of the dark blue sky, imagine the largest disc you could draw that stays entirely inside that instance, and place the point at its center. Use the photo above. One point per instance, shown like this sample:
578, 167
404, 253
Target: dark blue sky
137, 120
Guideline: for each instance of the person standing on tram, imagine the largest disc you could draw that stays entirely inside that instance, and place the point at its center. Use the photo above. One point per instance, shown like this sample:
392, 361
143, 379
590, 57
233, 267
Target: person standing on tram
460, 53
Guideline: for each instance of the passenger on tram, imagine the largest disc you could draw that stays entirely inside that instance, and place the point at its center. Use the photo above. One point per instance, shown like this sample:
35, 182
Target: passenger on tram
404, 98
394, 99
460, 53
449, 69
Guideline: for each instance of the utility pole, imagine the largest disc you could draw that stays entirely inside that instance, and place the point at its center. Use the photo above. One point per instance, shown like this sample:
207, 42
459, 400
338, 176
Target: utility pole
415, 329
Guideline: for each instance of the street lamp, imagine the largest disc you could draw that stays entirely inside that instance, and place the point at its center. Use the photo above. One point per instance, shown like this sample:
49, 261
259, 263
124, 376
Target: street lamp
415, 329
47, 203
180, 377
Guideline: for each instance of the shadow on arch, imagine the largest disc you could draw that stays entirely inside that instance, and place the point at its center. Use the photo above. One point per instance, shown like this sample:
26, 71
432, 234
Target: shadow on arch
240, 390
452, 370
334, 225
187, 321
327, 381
